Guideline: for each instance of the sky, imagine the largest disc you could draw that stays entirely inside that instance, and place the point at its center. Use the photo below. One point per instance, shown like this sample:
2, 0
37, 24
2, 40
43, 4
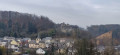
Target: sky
76, 12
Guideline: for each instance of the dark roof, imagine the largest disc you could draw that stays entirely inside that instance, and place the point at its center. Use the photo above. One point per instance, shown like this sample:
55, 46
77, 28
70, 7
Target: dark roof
7, 37
26, 38
32, 42
1, 38
4, 40
41, 42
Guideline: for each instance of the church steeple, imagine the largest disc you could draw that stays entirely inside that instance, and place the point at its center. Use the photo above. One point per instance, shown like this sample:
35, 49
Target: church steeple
38, 36
38, 39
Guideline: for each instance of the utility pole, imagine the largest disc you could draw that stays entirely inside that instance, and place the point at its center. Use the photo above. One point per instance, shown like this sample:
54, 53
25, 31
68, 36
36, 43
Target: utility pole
22, 46
7, 47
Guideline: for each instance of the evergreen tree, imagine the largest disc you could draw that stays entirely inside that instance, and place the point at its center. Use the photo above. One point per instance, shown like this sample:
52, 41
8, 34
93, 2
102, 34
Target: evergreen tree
31, 28
9, 23
84, 47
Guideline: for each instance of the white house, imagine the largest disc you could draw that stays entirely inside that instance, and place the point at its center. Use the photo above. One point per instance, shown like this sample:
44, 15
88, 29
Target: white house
47, 40
71, 51
14, 47
3, 43
8, 38
40, 51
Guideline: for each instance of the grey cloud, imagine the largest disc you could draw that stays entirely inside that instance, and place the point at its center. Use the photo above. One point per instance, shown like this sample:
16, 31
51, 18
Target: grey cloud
77, 12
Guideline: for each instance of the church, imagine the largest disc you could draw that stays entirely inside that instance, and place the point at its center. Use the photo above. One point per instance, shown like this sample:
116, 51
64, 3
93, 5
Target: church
38, 43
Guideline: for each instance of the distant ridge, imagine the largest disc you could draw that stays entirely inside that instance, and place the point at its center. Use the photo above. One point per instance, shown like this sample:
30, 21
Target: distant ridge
107, 39
107, 35
97, 30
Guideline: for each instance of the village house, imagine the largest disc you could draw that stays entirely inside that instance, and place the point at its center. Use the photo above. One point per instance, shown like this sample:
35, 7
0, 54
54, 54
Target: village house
48, 41
9, 42
67, 41
40, 51
27, 39
8, 38
3, 43
34, 44
14, 42
14, 47
71, 51
18, 40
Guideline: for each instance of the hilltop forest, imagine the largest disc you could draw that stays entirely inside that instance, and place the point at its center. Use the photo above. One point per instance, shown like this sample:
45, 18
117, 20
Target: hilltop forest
28, 25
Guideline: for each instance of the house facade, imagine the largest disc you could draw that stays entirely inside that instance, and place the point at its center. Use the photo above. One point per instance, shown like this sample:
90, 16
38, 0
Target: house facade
40, 51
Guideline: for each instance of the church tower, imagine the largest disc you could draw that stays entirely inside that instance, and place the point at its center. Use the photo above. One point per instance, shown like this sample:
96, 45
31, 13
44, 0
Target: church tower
38, 39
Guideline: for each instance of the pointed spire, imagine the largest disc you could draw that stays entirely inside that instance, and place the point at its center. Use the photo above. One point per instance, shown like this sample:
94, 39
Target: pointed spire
38, 36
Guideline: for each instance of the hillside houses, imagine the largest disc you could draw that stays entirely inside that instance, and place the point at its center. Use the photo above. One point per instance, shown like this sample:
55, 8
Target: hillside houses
44, 44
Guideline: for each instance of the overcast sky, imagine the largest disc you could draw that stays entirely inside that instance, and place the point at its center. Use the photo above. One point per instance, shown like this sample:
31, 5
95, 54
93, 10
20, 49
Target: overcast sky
77, 12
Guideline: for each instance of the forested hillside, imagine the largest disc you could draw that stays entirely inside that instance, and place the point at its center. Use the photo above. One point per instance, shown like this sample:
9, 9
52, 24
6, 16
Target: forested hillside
22, 24
97, 30
28, 25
